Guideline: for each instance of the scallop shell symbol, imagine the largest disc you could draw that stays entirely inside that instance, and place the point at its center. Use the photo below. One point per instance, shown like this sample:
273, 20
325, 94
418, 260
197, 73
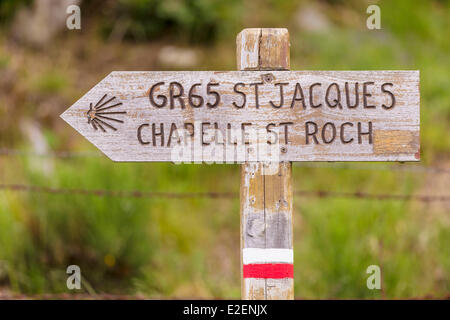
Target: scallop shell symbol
99, 118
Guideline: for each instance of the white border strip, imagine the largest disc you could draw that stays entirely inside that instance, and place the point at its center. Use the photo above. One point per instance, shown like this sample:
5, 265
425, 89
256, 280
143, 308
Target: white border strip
261, 255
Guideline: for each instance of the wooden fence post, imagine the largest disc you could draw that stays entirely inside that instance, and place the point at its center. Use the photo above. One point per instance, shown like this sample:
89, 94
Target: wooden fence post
266, 200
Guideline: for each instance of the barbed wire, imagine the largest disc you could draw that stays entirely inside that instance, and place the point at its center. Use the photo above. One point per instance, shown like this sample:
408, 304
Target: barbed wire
51, 154
337, 165
374, 167
374, 196
218, 195
118, 193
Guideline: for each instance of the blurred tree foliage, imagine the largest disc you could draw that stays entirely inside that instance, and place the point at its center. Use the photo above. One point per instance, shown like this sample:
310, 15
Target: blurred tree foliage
9, 7
197, 20
140, 20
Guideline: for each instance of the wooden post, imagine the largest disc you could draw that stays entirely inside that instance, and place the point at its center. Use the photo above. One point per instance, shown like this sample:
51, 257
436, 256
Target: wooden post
266, 199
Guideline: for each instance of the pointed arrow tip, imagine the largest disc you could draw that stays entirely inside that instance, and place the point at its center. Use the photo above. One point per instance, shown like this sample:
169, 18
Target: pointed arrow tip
67, 116
63, 116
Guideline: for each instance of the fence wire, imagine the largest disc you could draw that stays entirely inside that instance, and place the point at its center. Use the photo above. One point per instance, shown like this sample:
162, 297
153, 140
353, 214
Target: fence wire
217, 195
50, 154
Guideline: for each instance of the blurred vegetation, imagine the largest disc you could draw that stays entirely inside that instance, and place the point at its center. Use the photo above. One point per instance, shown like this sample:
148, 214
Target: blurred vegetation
190, 248
8, 8
194, 20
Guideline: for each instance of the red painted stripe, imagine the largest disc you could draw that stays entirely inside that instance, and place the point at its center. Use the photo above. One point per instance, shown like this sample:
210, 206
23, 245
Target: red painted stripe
269, 270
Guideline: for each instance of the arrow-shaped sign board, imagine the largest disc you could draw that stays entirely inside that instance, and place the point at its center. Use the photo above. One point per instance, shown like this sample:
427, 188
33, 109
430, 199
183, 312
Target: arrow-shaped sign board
237, 116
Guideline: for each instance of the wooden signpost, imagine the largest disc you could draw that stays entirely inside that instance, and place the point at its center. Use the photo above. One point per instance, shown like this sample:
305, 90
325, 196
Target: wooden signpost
263, 117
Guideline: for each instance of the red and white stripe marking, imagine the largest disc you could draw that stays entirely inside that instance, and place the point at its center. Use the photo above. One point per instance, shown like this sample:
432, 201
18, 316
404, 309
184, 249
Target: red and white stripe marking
268, 263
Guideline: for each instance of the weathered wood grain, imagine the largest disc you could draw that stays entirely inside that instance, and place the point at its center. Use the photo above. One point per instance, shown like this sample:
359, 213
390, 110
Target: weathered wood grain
266, 223
266, 190
395, 131
263, 49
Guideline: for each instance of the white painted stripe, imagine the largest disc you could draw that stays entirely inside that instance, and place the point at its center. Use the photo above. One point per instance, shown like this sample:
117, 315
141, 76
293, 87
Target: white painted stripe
269, 255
